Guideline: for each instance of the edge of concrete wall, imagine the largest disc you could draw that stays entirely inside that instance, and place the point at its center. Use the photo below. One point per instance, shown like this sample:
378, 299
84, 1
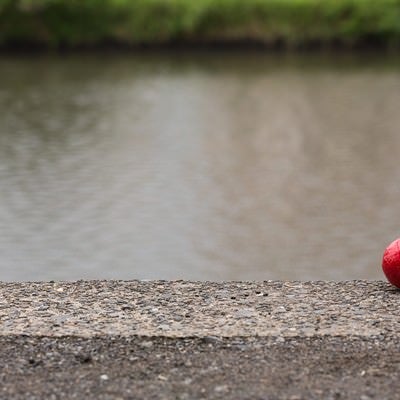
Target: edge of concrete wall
199, 340
180, 309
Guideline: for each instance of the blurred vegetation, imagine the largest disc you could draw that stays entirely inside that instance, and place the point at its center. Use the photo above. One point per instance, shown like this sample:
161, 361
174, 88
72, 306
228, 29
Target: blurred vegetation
71, 23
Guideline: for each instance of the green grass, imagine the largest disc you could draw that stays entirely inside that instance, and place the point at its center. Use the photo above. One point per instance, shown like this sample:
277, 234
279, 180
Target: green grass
71, 23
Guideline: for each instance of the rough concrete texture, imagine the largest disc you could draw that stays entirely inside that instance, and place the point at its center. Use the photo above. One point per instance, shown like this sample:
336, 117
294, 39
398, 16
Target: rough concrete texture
187, 340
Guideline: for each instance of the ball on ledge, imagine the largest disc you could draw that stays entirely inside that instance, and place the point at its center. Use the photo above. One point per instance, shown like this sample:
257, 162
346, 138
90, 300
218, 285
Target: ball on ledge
391, 263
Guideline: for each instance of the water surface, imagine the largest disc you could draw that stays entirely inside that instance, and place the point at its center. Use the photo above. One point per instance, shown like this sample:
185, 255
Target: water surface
207, 166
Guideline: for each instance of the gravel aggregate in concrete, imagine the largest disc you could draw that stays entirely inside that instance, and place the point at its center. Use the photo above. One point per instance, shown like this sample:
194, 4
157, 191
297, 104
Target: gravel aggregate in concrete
193, 368
181, 309
199, 340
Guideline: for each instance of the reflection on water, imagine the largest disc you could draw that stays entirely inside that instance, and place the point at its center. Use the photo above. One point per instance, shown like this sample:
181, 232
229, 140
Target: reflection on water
203, 167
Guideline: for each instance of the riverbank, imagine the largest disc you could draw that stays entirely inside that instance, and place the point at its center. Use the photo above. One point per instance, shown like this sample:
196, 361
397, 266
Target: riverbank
269, 23
184, 340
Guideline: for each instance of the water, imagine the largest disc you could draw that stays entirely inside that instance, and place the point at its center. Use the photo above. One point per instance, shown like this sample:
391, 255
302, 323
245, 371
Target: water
206, 166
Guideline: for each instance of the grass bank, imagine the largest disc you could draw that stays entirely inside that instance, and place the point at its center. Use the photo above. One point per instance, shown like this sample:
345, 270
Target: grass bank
292, 23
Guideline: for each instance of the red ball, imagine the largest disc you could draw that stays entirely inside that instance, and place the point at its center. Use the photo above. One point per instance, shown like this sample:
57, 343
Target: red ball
391, 263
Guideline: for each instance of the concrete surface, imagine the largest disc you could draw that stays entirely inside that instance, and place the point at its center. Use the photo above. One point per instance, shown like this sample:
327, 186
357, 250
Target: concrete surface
192, 340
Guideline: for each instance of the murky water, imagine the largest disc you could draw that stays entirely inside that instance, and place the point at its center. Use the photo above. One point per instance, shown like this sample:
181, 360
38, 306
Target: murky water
207, 166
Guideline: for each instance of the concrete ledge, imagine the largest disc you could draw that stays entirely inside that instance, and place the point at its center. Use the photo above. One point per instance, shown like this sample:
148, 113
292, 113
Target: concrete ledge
191, 340
197, 309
